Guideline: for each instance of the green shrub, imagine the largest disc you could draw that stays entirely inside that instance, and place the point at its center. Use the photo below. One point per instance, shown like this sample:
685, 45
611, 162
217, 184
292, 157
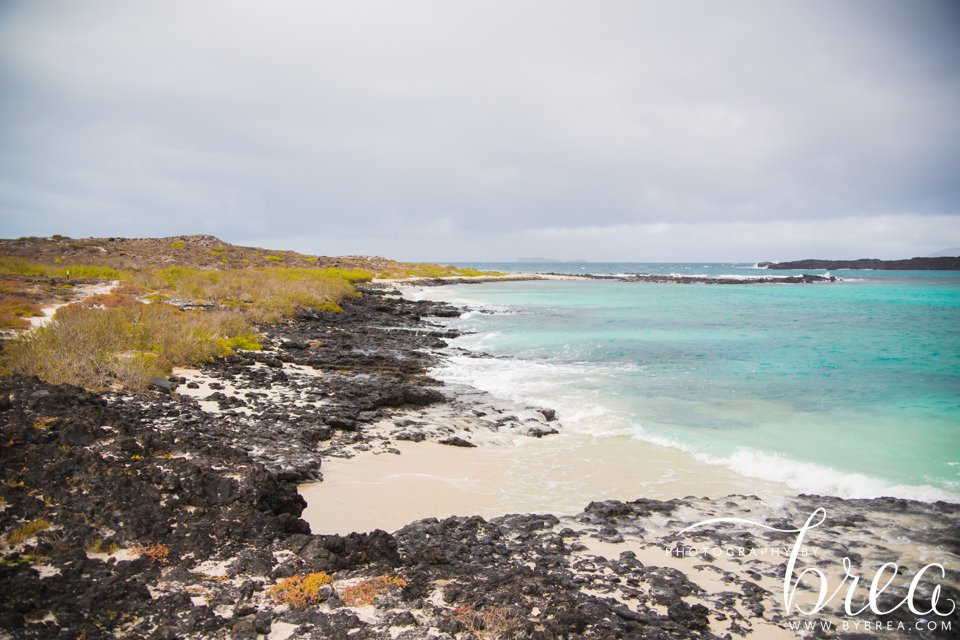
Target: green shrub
331, 307
179, 244
244, 343
274, 258
81, 271
20, 267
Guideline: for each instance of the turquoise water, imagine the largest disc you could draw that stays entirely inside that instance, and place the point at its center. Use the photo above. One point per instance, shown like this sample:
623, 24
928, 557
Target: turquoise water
851, 388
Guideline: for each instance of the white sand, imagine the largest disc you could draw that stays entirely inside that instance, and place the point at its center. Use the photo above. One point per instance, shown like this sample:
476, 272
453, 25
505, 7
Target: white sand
557, 474
81, 292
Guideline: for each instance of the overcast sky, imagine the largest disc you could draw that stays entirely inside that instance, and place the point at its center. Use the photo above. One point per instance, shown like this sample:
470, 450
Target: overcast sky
603, 130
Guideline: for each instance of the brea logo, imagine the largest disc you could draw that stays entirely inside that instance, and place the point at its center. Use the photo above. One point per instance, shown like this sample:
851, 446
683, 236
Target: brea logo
883, 578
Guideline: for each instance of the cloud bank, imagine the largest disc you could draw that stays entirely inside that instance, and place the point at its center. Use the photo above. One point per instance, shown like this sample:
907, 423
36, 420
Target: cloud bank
455, 130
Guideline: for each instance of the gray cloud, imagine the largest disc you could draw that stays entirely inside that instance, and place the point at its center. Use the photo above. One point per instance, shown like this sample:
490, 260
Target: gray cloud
445, 130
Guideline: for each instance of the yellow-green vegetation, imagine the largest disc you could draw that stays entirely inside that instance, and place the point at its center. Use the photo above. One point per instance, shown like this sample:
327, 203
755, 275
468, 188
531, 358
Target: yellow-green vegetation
22, 559
27, 531
98, 545
179, 244
116, 340
43, 423
264, 294
300, 590
426, 270
124, 345
21, 267
365, 592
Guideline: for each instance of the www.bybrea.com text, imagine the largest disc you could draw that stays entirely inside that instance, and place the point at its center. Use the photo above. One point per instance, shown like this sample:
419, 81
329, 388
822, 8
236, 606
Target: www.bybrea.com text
856, 625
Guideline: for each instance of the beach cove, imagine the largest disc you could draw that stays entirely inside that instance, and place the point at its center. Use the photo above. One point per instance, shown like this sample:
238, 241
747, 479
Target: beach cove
540, 530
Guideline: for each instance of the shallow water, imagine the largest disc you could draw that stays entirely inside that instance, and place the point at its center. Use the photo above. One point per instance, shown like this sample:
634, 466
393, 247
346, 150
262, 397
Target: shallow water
849, 389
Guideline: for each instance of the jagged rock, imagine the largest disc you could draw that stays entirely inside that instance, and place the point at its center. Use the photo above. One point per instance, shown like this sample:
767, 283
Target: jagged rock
457, 441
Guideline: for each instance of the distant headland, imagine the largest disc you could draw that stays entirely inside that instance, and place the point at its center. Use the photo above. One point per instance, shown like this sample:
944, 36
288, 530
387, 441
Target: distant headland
943, 263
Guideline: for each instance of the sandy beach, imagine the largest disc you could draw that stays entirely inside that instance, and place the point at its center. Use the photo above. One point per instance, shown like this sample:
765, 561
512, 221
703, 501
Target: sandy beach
557, 474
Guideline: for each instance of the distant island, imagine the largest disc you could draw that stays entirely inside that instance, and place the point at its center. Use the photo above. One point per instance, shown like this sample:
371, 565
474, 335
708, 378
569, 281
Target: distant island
943, 263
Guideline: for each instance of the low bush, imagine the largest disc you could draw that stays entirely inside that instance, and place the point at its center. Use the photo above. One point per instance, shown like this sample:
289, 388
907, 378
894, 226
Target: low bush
14, 310
157, 552
20, 307
365, 592
301, 590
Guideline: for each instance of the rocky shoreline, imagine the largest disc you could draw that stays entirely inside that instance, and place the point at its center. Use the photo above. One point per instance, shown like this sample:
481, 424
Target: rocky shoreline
658, 278
173, 514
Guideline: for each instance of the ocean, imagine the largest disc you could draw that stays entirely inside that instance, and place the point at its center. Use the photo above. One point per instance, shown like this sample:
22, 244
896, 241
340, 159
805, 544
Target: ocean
850, 388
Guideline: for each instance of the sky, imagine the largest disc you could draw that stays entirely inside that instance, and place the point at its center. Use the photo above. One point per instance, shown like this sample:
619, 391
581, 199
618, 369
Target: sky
464, 131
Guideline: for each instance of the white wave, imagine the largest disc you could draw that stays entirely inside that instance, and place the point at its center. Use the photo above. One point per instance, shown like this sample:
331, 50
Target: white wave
573, 389
813, 478
728, 276
804, 477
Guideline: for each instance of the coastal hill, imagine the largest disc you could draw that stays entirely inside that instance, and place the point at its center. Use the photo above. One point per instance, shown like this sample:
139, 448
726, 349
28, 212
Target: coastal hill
943, 263
199, 251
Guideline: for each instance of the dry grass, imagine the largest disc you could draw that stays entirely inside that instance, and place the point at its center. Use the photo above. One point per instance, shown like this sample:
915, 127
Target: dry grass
364, 593
27, 531
493, 622
124, 344
116, 341
97, 545
299, 591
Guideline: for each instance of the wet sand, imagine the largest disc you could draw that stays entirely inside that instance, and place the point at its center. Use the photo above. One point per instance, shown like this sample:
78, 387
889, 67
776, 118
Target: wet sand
558, 474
